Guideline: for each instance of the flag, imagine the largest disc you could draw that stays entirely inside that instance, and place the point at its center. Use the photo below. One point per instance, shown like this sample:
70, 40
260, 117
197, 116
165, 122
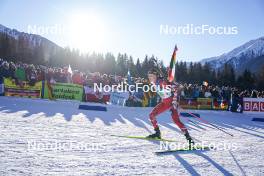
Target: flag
128, 77
69, 70
115, 78
171, 71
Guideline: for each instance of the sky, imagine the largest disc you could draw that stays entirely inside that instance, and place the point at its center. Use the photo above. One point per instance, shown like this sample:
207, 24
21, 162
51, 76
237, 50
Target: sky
134, 26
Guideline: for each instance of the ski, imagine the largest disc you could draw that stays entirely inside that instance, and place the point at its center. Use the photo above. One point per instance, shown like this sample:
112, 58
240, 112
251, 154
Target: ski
186, 149
145, 138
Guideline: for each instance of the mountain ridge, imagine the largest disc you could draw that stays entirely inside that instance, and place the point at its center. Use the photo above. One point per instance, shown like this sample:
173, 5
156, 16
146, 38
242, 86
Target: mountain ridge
240, 57
25, 45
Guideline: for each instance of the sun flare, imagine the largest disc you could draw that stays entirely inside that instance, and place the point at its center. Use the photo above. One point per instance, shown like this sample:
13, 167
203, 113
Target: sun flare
86, 32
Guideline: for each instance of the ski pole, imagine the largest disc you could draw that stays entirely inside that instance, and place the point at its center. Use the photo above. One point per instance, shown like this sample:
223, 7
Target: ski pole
205, 121
195, 123
159, 67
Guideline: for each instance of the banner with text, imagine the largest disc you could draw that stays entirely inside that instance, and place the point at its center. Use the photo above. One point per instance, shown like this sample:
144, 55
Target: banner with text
204, 103
253, 105
96, 96
64, 91
23, 89
219, 104
119, 98
188, 103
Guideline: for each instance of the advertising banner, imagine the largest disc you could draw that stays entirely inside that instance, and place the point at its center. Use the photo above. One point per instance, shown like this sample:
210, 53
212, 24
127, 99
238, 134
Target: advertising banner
253, 105
23, 89
96, 96
188, 103
204, 103
66, 91
119, 98
220, 104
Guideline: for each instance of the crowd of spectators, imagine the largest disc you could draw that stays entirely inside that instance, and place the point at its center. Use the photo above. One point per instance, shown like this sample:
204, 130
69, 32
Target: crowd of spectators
32, 73
218, 92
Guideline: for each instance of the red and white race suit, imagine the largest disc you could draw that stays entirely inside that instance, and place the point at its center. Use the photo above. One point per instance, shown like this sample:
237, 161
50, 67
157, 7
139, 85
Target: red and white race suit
168, 102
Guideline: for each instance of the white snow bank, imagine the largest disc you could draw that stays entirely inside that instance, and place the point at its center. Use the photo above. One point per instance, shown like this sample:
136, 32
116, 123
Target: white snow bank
60, 122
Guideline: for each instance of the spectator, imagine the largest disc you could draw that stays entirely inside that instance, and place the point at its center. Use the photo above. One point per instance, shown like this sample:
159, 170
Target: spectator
196, 92
4, 72
207, 94
254, 94
32, 75
20, 75
23, 72
77, 78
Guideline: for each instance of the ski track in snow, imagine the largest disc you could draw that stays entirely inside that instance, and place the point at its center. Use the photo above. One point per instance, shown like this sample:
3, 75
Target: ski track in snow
23, 120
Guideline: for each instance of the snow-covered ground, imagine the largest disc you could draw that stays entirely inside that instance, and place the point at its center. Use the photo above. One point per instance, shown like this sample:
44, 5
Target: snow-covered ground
69, 141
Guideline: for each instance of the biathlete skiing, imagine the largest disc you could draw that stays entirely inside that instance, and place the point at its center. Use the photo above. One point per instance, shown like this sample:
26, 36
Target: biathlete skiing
168, 92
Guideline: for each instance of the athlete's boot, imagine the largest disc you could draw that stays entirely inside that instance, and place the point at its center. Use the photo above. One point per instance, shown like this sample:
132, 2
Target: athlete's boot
156, 134
189, 139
